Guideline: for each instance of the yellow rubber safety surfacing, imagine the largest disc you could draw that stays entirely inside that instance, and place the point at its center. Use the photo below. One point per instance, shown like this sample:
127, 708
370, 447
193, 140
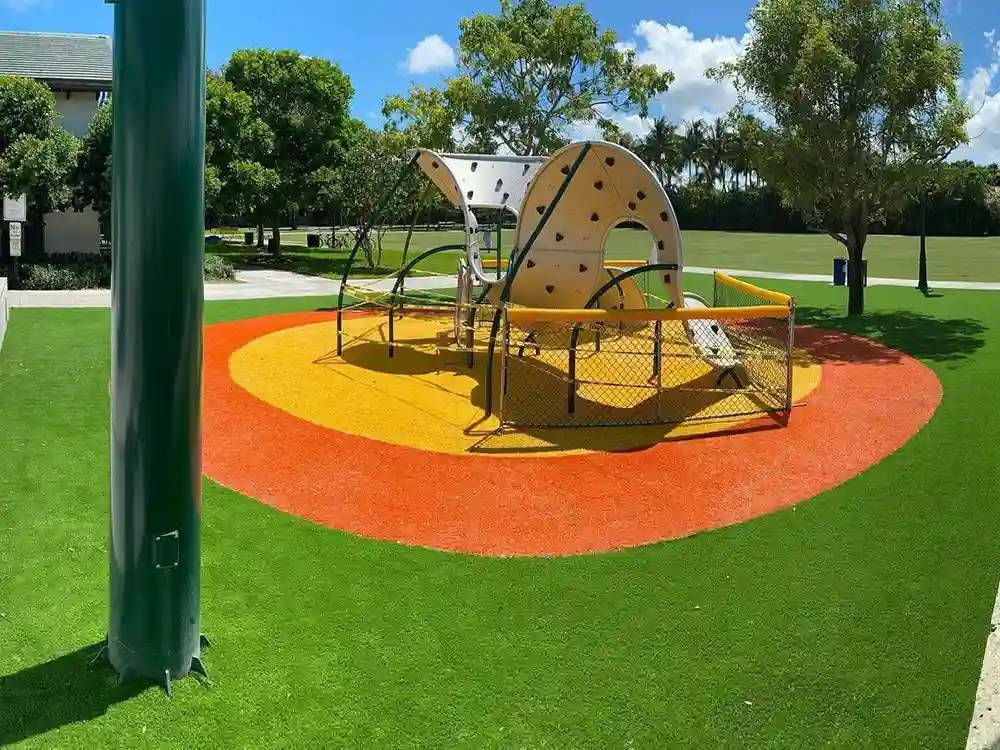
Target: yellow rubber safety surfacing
426, 397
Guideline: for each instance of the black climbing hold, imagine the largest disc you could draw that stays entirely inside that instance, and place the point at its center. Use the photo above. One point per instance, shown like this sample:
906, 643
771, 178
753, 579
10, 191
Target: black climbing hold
594, 217
666, 278
664, 216
715, 328
599, 185
434, 164
640, 195
499, 184
659, 245
469, 195
550, 289
559, 237
531, 264
565, 169
526, 168
506, 196
610, 161
631, 206
583, 268
715, 350
474, 165
540, 209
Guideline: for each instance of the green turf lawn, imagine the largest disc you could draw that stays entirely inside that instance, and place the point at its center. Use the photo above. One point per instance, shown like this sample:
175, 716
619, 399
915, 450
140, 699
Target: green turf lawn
949, 258
856, 620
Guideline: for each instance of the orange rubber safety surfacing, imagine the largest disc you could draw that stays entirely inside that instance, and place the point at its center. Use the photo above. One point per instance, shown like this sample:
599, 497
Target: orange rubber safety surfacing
869, 402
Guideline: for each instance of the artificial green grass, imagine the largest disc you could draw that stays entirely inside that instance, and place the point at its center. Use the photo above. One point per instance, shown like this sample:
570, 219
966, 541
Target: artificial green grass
854, 620
949, 258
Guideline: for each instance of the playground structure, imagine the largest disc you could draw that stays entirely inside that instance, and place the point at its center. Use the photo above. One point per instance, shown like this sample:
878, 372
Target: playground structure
568, 337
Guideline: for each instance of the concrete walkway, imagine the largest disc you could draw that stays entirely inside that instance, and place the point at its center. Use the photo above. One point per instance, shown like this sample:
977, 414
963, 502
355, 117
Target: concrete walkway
248, 285
992, 286
984, 729
266, 284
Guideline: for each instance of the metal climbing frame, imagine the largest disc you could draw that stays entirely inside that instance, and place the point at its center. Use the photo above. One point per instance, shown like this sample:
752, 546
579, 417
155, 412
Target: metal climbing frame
518, 258
653, 366
468, 181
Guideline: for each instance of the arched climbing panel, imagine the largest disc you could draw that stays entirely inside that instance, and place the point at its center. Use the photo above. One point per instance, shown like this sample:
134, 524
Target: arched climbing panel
565, 265
471, 181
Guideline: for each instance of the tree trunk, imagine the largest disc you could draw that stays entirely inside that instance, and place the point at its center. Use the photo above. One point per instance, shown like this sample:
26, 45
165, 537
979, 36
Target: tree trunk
857, 235
260, 235
855, 281
276, 238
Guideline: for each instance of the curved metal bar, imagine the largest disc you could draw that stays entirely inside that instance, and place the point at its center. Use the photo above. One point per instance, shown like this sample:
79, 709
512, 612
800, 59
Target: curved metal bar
519, 256
359, 240
402, 275
471, 319
594, 299
428, 188
413, 219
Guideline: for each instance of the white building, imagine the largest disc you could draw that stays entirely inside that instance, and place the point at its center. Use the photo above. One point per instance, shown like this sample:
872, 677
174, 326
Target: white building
78, 70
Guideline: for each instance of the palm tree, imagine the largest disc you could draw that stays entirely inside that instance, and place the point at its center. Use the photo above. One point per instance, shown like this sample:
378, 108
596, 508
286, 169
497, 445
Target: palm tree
693, 146
739, 161
717, 152
661, 149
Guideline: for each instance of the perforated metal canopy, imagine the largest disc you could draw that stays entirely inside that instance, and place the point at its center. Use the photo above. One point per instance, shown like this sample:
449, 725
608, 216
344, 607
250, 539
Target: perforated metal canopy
479, 180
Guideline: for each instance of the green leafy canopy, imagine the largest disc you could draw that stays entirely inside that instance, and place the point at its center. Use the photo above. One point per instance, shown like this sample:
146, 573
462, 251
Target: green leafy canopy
36, 155
863, 102
526, 76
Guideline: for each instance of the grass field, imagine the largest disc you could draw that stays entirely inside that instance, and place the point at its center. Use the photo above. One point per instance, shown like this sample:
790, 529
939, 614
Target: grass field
949, 258
855, 620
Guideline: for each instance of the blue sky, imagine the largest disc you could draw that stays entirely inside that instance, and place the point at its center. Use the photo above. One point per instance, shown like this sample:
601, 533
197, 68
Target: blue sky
384, 45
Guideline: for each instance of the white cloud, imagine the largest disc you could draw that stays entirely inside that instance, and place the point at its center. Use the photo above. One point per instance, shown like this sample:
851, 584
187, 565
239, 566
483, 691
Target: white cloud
693, 95
432, 54
981, 89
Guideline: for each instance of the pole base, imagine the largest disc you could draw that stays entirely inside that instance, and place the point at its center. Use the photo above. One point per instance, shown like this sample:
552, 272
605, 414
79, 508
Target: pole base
197, 667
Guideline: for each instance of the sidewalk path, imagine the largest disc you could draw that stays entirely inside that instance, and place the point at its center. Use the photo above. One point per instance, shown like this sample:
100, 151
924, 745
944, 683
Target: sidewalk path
984, 729
249, 285
267, 284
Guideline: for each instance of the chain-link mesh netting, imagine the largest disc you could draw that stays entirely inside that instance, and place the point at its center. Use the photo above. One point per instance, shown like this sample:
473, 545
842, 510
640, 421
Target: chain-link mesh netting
673, 366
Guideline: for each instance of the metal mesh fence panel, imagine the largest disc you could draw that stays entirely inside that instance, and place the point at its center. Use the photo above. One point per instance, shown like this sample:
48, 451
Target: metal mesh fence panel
674, 367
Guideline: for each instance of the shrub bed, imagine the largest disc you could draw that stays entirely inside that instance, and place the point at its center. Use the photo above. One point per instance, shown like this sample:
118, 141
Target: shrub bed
89, 271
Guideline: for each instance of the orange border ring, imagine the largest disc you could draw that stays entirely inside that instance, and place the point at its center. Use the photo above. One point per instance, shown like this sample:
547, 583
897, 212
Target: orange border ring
870, 402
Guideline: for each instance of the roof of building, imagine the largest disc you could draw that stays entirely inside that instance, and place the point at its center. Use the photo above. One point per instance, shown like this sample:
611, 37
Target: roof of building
68, 61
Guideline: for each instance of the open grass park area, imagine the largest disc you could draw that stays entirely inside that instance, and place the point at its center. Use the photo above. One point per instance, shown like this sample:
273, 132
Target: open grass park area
949, 258
855, 619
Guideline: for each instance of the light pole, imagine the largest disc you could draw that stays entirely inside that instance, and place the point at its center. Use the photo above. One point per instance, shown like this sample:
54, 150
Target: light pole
157, 293
922, 285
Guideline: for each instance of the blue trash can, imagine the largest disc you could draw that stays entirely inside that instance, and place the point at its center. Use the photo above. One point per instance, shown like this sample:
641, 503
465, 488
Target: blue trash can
840, 271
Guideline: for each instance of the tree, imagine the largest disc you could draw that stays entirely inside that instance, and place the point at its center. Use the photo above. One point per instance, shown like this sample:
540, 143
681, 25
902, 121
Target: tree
661, 149
374, 160
864, 103
693, 146
717, 152
36, 155
237, 142
529, 73
92, 176
426, 117
304, 103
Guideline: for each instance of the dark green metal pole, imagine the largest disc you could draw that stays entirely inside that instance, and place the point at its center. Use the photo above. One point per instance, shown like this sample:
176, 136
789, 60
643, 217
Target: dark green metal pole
922, 283
156, 350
